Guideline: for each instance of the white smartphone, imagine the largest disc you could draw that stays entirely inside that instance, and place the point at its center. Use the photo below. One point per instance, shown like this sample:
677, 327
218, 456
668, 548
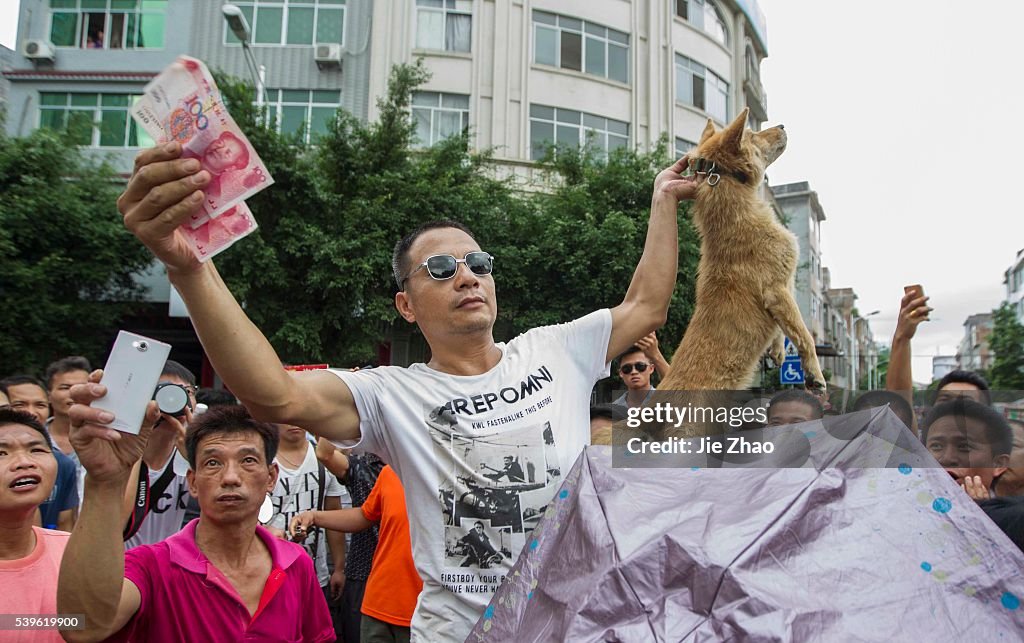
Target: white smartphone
131, 375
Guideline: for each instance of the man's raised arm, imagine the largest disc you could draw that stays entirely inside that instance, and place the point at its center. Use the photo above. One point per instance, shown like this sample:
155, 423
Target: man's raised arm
645, 307
164, 190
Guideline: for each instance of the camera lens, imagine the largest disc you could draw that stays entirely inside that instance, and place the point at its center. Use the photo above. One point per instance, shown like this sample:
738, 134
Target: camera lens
171, 398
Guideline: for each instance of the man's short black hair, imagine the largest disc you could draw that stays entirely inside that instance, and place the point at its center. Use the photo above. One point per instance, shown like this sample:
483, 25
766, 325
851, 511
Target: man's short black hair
229, 419
175, 369
629, 351
9, 416
66, 365
801, 396
18, 380
899, 404
400, 262
997, 429
965, 377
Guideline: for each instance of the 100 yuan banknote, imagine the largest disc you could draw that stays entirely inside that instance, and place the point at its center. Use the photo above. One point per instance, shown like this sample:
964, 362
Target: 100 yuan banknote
217, 235
183, 104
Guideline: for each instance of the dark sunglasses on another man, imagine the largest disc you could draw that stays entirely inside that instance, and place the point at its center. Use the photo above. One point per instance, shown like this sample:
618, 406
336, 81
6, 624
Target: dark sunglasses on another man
443, 267
626, 369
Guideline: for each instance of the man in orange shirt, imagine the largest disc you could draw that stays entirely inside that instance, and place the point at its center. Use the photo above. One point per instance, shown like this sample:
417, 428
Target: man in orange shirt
394, 584
29, 556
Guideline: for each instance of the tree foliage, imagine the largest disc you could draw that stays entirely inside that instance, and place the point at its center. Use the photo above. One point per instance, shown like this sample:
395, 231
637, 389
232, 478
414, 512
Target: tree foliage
1007, 342
316, 277
66, 259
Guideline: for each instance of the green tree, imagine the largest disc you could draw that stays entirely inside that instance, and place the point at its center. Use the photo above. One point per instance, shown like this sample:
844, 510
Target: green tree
1007, 342
66, 259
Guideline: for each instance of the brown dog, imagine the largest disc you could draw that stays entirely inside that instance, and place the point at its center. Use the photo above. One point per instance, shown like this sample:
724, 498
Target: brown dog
747, 268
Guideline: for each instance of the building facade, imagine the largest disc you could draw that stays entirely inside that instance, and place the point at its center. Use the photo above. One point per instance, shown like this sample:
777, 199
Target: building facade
524, 74
803, 215
1013, 278
90, 59
942, 365
973, 353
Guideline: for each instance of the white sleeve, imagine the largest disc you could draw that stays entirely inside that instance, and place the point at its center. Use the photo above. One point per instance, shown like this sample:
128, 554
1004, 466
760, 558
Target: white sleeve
366, 391
586, 342
334, 488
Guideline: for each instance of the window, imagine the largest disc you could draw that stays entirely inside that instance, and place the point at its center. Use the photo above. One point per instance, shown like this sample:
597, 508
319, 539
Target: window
581, 46
108, 24
699, 86
683, 146
292, 22
573, 129
94, 120
303, 111
704, 15
444, 25
438, 116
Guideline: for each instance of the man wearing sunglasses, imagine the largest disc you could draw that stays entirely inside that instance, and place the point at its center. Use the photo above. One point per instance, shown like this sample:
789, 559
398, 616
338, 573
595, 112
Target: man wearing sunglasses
636, 366
476, 401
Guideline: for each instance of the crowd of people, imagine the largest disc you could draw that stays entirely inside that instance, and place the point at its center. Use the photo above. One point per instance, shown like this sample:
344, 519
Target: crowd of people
227, 521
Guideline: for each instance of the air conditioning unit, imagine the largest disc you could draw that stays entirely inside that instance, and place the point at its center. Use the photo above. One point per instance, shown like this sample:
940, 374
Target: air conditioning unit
328, 55
38, 50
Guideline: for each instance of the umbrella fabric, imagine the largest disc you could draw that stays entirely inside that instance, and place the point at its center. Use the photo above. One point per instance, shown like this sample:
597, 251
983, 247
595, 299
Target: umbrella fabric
859, 536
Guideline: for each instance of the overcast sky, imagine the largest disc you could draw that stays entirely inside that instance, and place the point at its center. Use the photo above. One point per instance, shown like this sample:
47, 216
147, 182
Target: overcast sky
901, 116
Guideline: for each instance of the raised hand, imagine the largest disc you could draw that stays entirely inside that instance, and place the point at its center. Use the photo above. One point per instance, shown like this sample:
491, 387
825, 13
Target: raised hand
107, 454
914, 309
671, 181
162, 194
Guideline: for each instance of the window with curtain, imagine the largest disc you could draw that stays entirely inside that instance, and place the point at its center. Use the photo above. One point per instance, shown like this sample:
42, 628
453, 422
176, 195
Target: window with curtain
438, 115
108, 24
93, 119
569, 43
292, 22
444, 25
572, 128
306, 112
704, 15
704, 89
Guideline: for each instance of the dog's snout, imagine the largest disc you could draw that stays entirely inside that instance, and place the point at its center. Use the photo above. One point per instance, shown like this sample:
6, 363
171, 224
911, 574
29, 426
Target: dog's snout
781, 126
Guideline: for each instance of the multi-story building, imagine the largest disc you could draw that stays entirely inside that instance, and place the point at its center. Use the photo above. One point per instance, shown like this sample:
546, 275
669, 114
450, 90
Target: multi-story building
973, 353
6, 56
526, 73
1014, 280
803, 215
90, 59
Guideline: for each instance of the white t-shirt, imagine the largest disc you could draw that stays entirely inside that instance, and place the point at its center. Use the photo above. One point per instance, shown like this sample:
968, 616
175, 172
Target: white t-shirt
488, 449
298, 490
166, 513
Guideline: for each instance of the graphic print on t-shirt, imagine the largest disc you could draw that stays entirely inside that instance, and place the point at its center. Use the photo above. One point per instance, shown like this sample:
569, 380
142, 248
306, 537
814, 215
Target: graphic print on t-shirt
495, 485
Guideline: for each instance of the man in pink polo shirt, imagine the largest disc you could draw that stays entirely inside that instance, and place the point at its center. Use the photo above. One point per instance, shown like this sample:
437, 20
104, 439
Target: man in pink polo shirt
222, 577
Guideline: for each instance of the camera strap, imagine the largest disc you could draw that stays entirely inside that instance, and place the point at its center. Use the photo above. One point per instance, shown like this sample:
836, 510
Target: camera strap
321, 475
144, 495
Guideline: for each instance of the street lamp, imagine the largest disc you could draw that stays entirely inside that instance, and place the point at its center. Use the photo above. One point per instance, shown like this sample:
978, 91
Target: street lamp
856, 349
240, 27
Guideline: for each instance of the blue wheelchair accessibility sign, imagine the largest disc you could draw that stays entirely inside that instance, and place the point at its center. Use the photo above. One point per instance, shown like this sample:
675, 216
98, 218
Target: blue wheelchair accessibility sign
792, 371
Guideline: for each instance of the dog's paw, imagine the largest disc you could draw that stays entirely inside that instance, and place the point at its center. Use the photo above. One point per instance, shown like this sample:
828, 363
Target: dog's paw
777, 355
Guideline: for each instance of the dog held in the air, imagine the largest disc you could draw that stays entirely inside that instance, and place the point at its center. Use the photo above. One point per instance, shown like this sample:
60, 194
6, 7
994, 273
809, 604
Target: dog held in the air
747, 268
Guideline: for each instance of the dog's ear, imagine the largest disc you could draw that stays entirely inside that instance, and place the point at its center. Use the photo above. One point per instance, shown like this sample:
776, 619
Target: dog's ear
733, 135
709, 131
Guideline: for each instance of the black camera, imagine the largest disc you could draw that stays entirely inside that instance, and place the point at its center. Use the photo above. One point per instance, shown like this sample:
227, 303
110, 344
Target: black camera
172, 399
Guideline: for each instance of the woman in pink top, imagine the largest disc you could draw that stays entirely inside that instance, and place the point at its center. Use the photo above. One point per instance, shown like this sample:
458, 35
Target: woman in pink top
29, 555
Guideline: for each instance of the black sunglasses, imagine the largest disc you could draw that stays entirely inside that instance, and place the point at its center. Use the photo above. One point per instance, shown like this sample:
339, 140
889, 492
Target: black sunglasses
628, 368
442, 267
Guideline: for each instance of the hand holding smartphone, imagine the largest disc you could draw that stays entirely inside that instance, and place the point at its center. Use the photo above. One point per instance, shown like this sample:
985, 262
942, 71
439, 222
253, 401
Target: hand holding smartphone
131, 375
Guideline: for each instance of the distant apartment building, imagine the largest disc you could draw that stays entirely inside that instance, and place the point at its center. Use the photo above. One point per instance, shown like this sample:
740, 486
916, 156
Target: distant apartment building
973, 353
804, 215
6, 56
1013, 278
